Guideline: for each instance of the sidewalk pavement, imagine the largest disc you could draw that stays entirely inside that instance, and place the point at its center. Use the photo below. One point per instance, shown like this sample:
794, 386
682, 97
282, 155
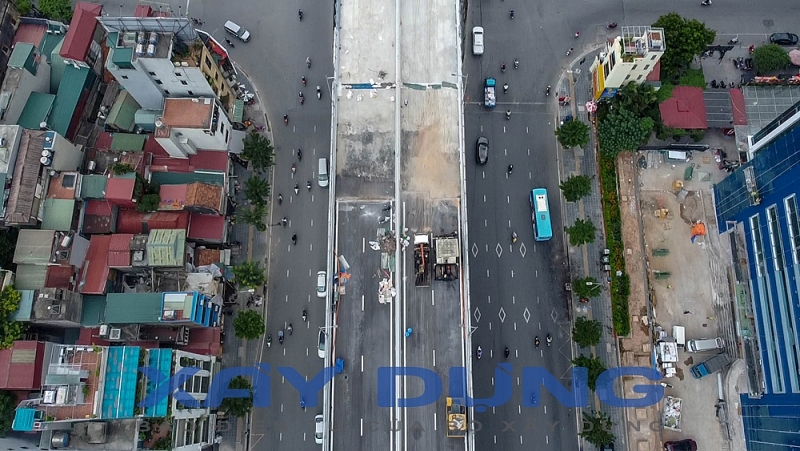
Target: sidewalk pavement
253, 246
585, 261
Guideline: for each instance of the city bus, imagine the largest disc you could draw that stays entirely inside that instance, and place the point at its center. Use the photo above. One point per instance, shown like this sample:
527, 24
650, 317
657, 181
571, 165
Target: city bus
540, 215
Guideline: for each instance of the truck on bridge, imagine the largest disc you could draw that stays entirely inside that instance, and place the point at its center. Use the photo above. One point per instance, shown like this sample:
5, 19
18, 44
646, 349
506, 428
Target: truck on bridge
490, 93
422, 260
456, 418
448, 254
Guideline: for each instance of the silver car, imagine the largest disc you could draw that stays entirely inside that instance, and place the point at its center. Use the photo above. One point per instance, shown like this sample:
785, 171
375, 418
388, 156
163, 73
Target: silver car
319, 428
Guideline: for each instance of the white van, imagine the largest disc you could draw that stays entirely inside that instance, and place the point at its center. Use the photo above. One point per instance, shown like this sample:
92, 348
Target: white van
237, 31
705, 344
323, 172
477, 41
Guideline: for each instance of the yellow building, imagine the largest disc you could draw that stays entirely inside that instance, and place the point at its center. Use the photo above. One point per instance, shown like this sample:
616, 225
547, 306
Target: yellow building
629, 57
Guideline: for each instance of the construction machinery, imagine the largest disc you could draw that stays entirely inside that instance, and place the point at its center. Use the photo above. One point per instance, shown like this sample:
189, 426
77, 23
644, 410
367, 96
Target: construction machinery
448, 254
422, 260
456, 418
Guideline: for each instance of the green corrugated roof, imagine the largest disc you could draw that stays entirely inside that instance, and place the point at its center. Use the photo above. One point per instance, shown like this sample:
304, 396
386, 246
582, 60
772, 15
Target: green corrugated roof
238, 111
25, 306
93, 313
93, 186
36, 110
58, 214
184, 178
128, 142
112, 39
165, 247
123, 113
69, 93
57, 66
24, 56
122, 57
133, 308
50, 41
30, 277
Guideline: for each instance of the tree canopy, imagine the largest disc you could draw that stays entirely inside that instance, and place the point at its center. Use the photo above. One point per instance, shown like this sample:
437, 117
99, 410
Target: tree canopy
684, 39
256, 190
238, 407
582, 232
770, 58
593, 365
575, 187
248, 325
587, 287
10, 330
258, 151
56, 9
622, 131
249, 274
587, 332
597, 429
253, 216
573, 133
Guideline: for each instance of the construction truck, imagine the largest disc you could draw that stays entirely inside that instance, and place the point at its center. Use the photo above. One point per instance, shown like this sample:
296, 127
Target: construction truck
422, 261
448, 253
456, 418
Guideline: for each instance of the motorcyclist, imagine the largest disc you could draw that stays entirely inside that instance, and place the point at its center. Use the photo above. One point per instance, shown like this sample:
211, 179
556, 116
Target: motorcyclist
505, 87
308, 62
514, 237
280, 198
506, 352
294, 168
308, 185
296, 188
480, 352
269, 340
511, 13
294, 239
300, 14
510, 168
549, 339
280, 336
536, 341
319, 93
284, 221
305, 315
299, 154
548, 90
503, 67
508, 114
285, 118
290, 328
516, 63
304, 81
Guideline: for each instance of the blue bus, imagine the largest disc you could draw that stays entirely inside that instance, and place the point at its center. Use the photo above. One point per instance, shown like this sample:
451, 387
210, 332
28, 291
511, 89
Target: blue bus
540, 215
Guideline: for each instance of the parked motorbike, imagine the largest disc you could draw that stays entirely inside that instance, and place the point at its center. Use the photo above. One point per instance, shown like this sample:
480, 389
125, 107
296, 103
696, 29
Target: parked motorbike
611, 26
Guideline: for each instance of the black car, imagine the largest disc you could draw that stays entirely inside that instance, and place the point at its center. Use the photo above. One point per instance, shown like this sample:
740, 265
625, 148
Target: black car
681, 445
783, 38
482, 150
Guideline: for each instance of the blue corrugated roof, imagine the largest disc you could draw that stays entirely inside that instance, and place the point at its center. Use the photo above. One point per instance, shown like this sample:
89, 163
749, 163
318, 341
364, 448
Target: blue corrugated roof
119, 390
161, 359
23, 420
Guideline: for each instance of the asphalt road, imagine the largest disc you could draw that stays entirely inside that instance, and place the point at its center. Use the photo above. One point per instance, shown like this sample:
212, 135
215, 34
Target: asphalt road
275, 60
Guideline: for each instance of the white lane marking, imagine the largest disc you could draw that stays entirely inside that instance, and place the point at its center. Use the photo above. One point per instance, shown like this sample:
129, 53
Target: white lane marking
362, 303
363, 245
362, 427
433, 298
287, 273
487, 273
434, 421
433, 357
362, 363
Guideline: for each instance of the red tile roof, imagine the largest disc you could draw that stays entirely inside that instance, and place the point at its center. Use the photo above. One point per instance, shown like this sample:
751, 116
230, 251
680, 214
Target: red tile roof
152, 146
59, 277
104, 141
89, 336
210, 160
119, 191
142, 11
31, 33
173, 197
737, 103
685, 109
130, 221
94, 272
81, 31
98, 208
206, 227
655, 74
119, 251
98, 217
23, 371
204, 341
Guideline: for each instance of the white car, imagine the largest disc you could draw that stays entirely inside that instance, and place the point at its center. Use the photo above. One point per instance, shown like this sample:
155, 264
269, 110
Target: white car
477, 41
321, 345
319, 429
322, 284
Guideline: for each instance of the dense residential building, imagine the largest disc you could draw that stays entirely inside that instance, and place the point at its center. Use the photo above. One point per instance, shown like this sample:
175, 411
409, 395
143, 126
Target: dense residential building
757, 209
630, 57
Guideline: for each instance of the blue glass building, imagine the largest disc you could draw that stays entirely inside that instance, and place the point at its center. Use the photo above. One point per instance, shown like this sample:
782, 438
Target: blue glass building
757, 206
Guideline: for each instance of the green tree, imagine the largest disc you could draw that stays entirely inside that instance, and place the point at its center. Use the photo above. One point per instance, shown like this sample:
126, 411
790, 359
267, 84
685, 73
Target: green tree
149, 203
56, 9
238, 407
573, 134
587, 287
10, 330
8, 405
575, 187
684, 39
249, 274
587, 332
256, 190
621, 130
258, 151
641, 100
253, 216
594, 366
597, 429
24, 7
770, 58
582, 232
121, 168
248, 325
